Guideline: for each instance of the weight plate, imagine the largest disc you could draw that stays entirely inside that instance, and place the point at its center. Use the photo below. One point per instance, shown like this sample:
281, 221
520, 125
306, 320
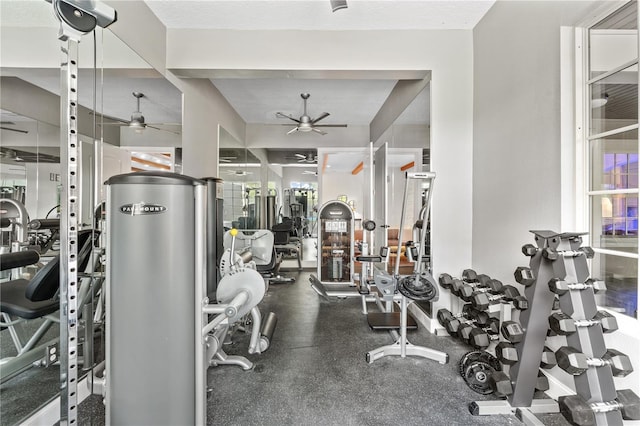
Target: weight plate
491, 360
369, 225
467, 359
241, 280
477, 376
416, 288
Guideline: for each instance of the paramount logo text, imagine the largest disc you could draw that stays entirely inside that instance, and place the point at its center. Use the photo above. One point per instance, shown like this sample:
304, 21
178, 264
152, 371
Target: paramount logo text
137, 209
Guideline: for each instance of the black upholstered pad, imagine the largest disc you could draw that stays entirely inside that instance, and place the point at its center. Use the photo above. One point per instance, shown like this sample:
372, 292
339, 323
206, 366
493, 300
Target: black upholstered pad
14, 302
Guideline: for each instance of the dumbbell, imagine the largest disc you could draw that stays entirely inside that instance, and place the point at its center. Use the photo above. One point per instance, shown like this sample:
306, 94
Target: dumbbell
551, 254
529, 250
524, 276
542, 382
452, 322
445, 281
480, 337
462, 326
467, 290
564, 325
512, 331
482, 299
574, 362
452, 284
560, 287
500, 382
548, 359
506, 353
471, 276
580, 412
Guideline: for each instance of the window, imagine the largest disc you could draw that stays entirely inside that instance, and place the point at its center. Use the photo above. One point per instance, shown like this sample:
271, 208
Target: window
611, 142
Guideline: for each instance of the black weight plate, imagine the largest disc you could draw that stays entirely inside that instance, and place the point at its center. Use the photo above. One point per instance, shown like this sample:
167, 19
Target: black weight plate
491, 360
466, 359
369, 225
477, 376
416, 289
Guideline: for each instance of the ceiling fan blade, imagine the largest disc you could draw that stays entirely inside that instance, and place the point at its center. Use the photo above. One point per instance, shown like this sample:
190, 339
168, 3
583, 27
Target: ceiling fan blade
320, 117
295, 129
329, 125
113, 124
281, 115
302, 156
14, 130
163, 130
318, 131
108, 117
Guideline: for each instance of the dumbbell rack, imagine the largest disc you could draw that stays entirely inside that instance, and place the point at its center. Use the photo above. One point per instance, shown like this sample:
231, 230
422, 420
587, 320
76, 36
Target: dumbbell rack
524, 373
597, 401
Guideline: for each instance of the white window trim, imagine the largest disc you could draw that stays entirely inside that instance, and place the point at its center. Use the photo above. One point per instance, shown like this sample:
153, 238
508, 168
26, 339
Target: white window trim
582, 139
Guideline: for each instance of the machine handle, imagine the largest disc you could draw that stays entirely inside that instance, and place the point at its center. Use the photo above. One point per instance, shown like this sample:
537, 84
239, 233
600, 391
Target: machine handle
18, 259
232, 307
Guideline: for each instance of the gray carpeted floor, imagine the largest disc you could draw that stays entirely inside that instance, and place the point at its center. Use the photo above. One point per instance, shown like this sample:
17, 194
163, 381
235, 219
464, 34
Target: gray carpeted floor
315, 373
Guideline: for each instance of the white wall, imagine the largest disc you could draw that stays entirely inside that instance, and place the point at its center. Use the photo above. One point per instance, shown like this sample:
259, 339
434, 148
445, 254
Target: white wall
335, 184
516, 154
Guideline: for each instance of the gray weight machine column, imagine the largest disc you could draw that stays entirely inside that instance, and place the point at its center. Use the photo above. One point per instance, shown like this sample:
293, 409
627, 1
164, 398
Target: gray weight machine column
155, 272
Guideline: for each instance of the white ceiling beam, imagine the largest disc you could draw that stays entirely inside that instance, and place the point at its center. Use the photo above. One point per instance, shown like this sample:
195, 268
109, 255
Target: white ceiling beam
404, 92
301, 74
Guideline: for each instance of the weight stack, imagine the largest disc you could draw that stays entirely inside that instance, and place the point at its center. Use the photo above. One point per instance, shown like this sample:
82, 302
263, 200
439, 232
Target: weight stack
151, 292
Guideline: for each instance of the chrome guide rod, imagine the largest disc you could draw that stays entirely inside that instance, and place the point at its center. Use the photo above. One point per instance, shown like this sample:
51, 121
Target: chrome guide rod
404, 204
425, 220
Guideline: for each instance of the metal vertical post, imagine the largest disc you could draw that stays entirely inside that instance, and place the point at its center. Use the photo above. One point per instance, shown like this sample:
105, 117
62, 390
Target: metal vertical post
201, 300
69, 233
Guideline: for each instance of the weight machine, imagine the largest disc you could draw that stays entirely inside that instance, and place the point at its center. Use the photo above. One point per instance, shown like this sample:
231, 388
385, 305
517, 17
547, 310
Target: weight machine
419, 286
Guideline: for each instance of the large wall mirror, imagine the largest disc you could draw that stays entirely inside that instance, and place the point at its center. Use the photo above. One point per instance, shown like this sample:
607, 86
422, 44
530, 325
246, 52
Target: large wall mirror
111, 95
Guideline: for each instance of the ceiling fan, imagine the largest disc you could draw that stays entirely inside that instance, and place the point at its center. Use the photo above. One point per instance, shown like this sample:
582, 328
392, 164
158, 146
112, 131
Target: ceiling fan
309, 157
4, 124
237, 172
137, 121
306, 123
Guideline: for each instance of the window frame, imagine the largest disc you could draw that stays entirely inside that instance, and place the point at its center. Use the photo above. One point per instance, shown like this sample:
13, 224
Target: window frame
584, 140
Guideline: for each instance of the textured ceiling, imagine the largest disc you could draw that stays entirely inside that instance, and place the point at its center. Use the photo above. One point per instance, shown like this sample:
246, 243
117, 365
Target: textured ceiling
317, 14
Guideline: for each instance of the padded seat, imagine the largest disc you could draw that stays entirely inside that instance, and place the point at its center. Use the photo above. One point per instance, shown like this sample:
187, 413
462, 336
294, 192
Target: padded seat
38, 297
14, 302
